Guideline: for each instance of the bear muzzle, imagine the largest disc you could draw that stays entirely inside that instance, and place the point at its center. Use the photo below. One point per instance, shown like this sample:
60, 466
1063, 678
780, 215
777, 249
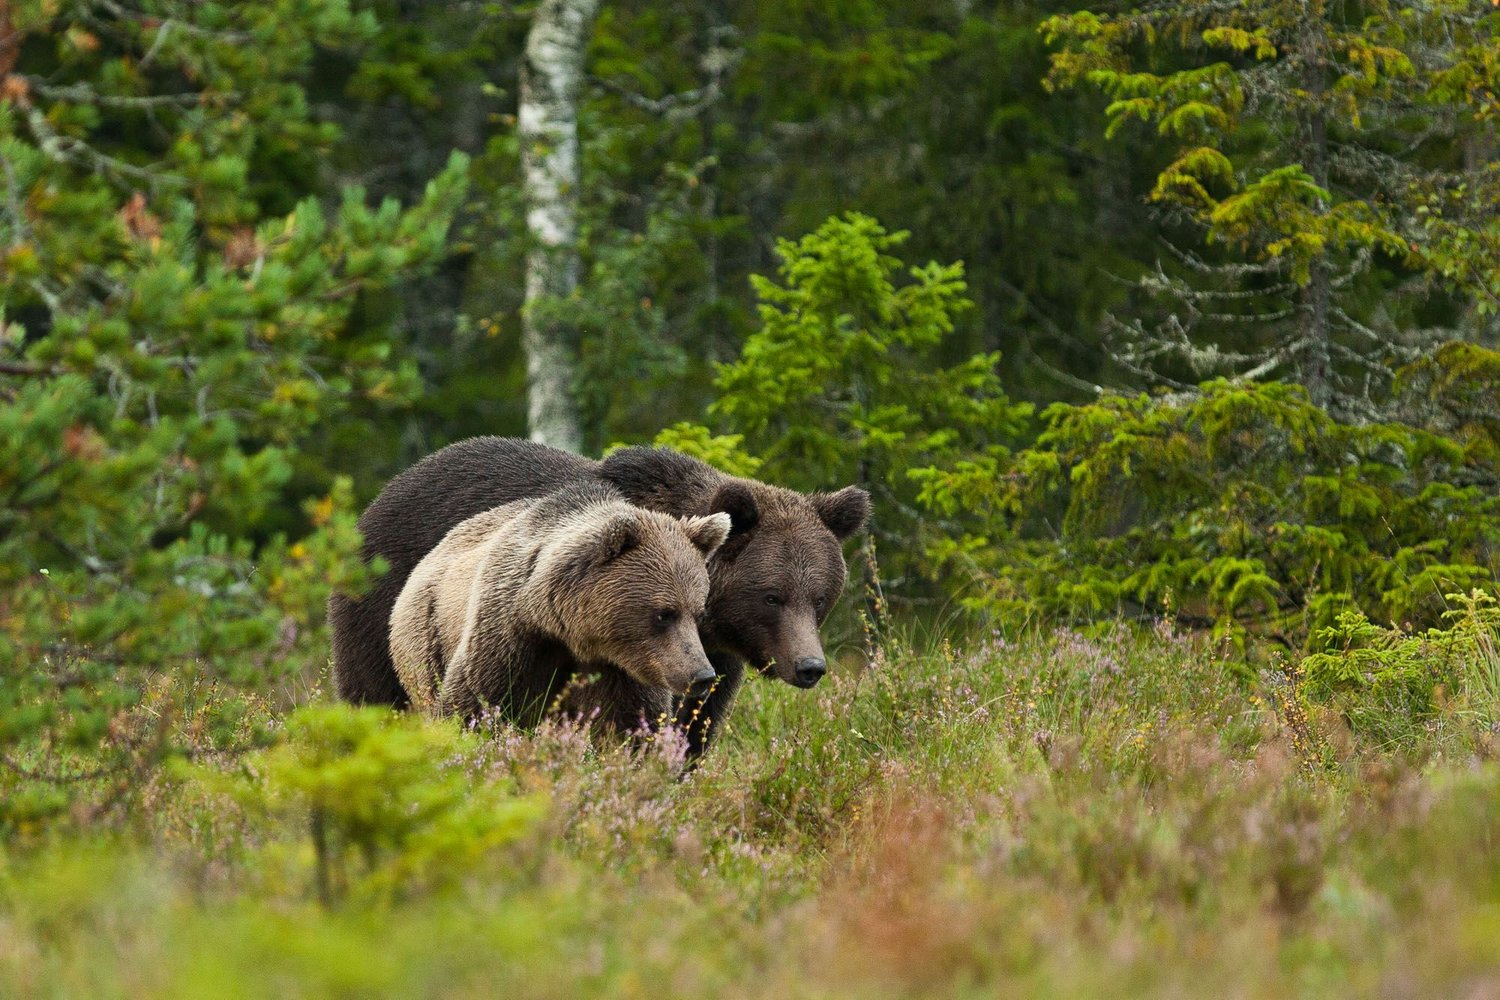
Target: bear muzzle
796, 653
808, 671
704, 681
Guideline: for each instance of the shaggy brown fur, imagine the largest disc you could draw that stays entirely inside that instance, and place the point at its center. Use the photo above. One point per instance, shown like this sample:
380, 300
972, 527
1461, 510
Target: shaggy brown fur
780, 572
772, 583
517, 601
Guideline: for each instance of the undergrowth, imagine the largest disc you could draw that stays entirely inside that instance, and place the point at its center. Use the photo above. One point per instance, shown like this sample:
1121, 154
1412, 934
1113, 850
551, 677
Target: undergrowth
1066, 814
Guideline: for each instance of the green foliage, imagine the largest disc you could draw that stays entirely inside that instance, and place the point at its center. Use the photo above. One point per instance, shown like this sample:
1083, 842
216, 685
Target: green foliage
710, 131
174, 340
844, 382
634, 350
207, 319
1385, 681
1298, 150
1241, 507
1063, 815
389, 793
723, 451
1313, 64
1452, 391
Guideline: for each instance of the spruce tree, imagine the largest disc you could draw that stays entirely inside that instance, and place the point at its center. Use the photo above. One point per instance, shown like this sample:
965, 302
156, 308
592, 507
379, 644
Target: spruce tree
1306, 134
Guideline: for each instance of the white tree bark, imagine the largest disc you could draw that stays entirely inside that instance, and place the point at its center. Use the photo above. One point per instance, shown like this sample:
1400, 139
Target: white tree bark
551, 79
1316, 363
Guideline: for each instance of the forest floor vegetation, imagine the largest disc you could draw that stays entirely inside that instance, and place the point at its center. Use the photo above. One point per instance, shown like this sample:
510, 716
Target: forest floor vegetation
1063, 814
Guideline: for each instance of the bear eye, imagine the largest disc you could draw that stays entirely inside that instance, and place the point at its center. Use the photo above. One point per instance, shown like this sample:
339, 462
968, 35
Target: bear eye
773, 600
664, 617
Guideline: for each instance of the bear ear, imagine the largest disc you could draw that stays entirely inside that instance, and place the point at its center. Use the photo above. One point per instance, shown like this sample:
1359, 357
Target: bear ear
619, 536
844, 512
736, 500
706, 533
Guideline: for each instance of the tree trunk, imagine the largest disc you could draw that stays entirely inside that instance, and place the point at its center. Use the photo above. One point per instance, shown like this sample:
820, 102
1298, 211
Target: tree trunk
10, 42
1317, 296
551, 78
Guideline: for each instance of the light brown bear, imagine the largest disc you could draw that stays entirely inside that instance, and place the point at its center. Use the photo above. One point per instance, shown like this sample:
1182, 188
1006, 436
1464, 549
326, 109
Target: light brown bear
517, 601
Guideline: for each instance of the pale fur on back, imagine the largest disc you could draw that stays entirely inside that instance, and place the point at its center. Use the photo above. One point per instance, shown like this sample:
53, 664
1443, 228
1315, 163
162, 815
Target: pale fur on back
433, 610
470, 627
474, 595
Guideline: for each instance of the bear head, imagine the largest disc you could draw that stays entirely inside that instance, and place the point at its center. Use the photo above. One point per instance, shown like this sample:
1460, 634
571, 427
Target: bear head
780, 572
627, 586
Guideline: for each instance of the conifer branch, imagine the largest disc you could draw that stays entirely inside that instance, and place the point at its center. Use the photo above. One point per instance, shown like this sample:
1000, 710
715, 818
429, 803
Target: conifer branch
80, 94
23, 369
684, 104
124, 13
66, 149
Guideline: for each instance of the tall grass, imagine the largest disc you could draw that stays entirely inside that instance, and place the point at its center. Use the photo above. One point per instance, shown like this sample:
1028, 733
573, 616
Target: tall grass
1061, 815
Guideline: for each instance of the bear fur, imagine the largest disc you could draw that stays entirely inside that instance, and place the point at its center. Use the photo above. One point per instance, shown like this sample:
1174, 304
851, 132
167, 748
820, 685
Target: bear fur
770, 584
517, 600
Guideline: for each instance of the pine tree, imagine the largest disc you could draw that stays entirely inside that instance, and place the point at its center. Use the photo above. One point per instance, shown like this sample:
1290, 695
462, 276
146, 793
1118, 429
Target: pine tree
173, 299
1246, 507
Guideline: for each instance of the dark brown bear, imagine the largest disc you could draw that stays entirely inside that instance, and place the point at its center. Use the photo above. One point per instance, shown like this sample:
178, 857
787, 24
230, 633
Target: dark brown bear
771, 584
514, 600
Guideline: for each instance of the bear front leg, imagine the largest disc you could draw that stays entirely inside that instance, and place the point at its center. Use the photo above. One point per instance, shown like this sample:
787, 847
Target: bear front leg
702, 718
482, 675
613, 703
459, 695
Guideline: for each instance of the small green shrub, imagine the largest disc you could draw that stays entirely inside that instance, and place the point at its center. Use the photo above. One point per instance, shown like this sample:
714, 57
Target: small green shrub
1388, 680
387, 801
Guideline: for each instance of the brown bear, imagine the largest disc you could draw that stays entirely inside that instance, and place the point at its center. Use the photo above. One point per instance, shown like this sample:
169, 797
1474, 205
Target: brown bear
515, 601
770, 585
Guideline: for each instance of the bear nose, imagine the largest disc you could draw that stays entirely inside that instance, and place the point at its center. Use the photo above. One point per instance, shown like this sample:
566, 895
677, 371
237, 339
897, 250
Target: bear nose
703, 682
810, 671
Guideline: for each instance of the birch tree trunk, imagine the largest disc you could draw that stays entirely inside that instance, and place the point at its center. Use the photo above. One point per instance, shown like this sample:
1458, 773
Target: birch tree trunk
551, 79
1316, 364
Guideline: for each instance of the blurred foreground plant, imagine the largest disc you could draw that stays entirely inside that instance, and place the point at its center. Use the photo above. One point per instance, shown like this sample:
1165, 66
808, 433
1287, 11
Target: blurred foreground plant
387, 800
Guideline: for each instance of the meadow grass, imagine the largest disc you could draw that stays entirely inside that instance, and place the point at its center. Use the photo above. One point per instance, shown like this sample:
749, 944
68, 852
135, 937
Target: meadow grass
1115, 814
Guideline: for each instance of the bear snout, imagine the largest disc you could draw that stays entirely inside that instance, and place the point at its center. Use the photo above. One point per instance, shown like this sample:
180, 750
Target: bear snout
799, 660
703, 682
808, 671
